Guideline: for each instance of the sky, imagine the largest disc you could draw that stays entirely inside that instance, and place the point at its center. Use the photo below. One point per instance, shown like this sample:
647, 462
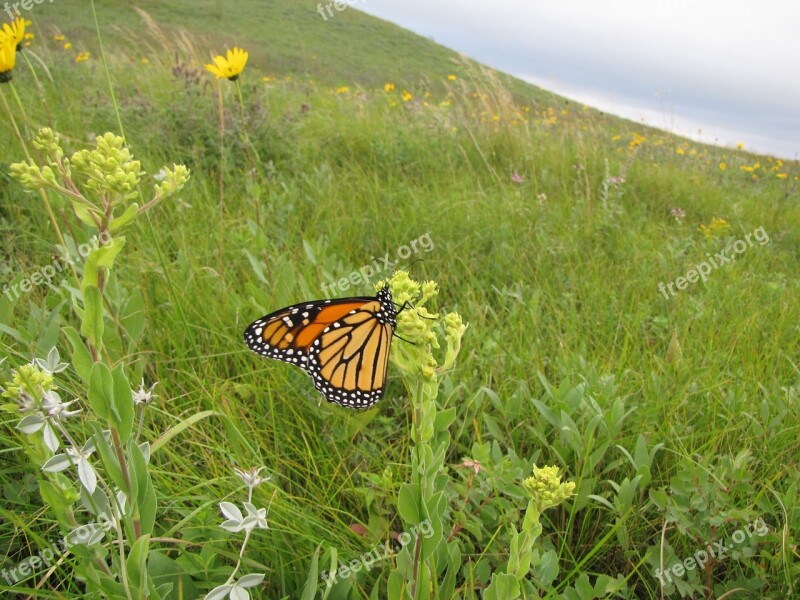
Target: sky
718, 72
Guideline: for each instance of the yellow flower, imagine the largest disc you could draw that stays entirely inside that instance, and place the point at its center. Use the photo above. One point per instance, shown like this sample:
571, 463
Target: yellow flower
452, 77
342, 90
145, 61
782, 175
740, 146
29, 36
28, 22
59, 38
229, 67
407, 97
388, 88
15, 32
680, 151
265, 79
722, 166
8, 58
68, 46
82, 57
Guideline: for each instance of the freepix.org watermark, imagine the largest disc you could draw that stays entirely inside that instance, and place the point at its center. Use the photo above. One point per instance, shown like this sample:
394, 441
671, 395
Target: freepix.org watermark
367, 272
713, 551
366, 560
88, 534
47, 272
24, 4
703, 269
326, 10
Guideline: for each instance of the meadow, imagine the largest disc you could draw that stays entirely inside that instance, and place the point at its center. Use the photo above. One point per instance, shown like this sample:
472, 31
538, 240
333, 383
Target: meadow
570, 243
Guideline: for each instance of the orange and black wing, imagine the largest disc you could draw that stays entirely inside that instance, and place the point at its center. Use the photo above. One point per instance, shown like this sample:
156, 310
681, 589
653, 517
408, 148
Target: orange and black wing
343, 344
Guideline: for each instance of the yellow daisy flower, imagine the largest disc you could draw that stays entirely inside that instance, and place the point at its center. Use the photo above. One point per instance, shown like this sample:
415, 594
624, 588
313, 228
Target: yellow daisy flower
68, 46
8, 57
407, 97
722, 166
342, 90
82, 57
388, 88
229, 67
59, 38
452, 77
15, 31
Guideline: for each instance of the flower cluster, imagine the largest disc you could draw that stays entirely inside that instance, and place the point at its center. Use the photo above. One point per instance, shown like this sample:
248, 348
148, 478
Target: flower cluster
545, 487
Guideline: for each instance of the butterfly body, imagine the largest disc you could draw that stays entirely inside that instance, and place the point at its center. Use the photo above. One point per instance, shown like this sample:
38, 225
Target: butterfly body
343, 344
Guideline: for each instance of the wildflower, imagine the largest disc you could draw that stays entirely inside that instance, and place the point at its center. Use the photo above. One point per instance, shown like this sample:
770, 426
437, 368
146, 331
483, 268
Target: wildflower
252, 477
678, 213
142, 396
68, 46
256, 517
59, 38
82, 57
472, 464
388, 88
740, 146
265, 79
236, 591
8, 58
614, 180
54, 408
145, 61
517, 178
782, 175
452, 77
229, 67
716, 226
545, 487
407, 97
723, 166
80, 458
541, 197
342, 90
680, 151
14, 32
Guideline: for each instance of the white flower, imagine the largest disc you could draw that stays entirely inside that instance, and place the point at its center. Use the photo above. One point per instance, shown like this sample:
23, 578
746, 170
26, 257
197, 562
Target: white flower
161, 175
33, 423
86, 473
51, 364
142, 396
53, 406
236, 591
256, 517
251, 477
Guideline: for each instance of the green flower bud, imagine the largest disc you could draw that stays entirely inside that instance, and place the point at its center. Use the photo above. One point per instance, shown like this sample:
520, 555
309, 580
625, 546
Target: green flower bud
174, 180
28, 379
545, 487
47, 141
30, 176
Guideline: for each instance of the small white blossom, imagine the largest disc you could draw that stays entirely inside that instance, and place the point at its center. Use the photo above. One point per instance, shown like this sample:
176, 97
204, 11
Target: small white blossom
142, 396
256, 517
53, 406
236, 591
52, 364
80, 458
252, 477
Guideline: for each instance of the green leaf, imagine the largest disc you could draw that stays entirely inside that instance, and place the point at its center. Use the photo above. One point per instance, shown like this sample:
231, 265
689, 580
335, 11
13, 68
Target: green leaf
503, 587
137, 567
123, 403
312, 580
109, 458
118, 222
81, 359
408, 503
185, 424
165, 573
144, 494
101, 390
92, 325
105, 255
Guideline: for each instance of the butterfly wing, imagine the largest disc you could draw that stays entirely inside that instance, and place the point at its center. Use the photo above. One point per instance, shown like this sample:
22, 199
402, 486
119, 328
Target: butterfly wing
343, 344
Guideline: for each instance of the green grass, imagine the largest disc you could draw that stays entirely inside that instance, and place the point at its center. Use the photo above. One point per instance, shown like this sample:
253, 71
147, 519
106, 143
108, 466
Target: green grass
571, 355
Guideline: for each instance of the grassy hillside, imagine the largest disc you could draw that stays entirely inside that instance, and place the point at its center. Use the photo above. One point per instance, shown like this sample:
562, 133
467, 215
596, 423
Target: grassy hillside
558, 234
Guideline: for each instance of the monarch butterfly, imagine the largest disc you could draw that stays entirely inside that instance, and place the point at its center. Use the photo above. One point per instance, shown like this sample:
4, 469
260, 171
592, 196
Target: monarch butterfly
342, 343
